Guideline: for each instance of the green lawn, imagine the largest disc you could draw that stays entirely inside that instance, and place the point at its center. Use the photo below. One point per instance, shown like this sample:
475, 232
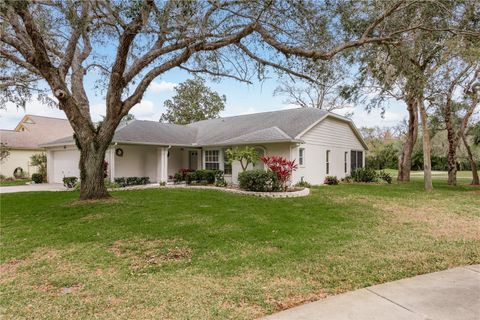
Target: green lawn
17, 182
204, 254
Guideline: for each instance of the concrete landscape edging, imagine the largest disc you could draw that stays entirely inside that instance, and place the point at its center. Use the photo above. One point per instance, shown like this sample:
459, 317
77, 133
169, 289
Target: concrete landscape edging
293, 194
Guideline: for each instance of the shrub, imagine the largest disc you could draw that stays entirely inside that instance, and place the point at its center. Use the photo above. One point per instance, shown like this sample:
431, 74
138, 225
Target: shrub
259, 180
385, 176
120, 181
220, 179
131, 181
39, 160
70, 182
190, 177
178, 177
331, 180
37, 177
282, 167
364, 175
303, 184
206, 175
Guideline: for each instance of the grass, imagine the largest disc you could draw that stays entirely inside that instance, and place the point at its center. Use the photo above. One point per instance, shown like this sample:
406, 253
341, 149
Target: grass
203, 254
16, 182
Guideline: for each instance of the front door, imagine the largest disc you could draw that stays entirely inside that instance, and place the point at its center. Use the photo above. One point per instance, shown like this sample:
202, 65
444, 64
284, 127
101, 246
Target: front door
193, 160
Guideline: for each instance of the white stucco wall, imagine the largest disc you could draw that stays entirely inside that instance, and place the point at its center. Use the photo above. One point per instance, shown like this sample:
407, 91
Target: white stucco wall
18, 158
137, 161
330, 134
178, 159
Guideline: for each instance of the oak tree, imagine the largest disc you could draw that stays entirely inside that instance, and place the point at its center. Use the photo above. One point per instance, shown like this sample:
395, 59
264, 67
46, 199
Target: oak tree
194, 101
60, 47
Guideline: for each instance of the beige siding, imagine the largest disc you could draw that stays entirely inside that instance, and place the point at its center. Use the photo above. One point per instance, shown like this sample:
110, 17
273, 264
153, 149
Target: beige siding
18, 158
331, 132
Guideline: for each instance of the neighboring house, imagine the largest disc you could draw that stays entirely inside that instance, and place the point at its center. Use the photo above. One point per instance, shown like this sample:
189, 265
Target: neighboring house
24, 141
322, 143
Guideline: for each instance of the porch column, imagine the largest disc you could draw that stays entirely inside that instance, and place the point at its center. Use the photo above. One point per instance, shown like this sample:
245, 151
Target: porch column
50, 177
111, 163
162, 164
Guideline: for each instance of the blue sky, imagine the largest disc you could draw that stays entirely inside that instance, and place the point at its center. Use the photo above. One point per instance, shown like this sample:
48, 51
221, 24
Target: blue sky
241, 99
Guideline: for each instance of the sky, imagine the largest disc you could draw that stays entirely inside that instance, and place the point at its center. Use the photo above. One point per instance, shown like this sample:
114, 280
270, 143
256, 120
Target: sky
241, 99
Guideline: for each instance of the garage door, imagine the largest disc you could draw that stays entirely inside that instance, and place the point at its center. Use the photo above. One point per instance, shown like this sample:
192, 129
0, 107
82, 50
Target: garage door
65, 164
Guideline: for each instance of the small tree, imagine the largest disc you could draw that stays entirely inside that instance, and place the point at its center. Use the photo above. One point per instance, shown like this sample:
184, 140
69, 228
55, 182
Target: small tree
282, 167
194, 101
39, 160
245, 156
4, 151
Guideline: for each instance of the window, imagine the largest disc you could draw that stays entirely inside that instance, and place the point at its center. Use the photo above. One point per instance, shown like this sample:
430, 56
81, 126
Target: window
356, 160
227, 167
345, 160
327, 162
301, 156
211, 160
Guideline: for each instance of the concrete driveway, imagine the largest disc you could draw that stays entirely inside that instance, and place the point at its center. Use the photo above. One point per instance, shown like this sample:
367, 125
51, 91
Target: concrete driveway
33, 187
445, 295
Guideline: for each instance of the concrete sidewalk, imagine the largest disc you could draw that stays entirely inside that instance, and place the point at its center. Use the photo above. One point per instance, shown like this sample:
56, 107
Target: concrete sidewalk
33, 188
445, 295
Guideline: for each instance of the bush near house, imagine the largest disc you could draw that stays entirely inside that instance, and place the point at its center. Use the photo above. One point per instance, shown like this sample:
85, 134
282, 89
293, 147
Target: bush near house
364, 175
131, 181
199, 176
331, 180
259, 181
39, 160
369, 175
37, 177
282, 167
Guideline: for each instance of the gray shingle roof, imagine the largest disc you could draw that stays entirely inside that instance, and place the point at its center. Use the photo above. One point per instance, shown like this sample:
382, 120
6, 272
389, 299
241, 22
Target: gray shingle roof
292, 122
152, 132
274, 126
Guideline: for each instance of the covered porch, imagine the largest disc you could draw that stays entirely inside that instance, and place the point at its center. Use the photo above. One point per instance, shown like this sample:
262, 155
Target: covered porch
159, 163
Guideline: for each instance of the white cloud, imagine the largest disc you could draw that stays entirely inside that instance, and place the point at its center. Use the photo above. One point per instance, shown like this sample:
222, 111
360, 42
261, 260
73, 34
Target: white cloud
11, 115
362, 118
145, 110
162, 86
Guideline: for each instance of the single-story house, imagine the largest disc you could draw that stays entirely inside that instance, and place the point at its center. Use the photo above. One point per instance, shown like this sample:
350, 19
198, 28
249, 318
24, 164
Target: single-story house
25, 140
322, 144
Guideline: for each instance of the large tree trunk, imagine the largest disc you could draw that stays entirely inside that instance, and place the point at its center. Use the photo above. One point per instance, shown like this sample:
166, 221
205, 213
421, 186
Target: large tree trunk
92, 179
405, 159
427, 162
473, 164
452, 147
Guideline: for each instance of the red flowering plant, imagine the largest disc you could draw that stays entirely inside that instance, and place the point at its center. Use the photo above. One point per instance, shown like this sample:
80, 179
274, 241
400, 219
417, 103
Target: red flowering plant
282, 167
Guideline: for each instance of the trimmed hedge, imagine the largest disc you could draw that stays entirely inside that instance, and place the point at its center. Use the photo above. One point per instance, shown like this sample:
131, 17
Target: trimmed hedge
37, 177
259, 181
131, 181
199, 176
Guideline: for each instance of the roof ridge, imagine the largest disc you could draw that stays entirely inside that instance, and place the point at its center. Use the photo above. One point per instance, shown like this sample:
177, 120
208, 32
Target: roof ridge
34, 115
282, 132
